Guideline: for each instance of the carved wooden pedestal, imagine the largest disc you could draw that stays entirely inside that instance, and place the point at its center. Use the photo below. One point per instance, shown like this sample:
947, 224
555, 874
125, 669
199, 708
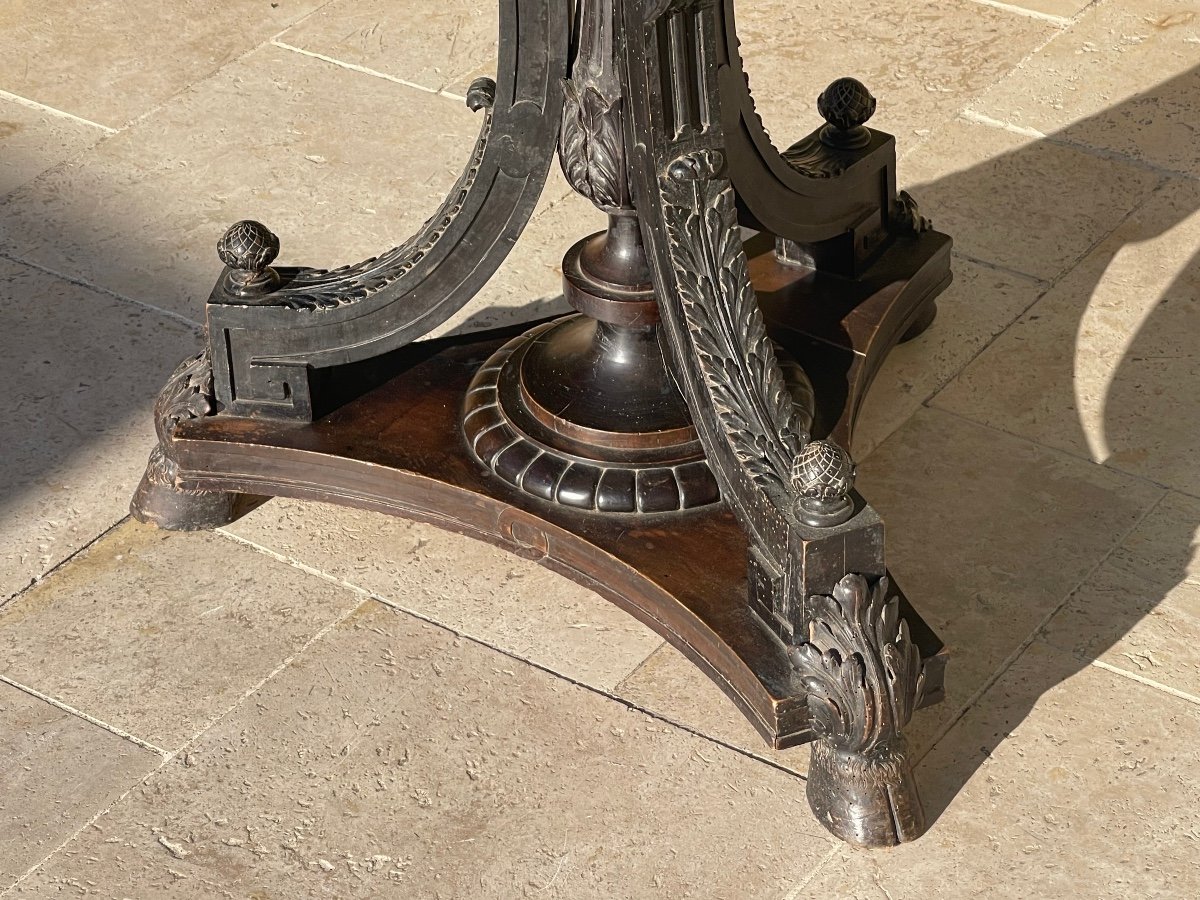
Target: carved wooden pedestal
694, 410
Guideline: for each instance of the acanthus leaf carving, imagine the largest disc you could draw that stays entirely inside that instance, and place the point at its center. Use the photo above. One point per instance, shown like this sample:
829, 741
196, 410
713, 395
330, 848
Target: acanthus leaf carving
863, 672
736, 357
590, 144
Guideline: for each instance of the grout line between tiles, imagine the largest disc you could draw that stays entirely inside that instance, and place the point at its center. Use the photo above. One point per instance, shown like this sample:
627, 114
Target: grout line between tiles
374, 73
1025, 644
973, 117
58, 704
168, 756
798, 889
61, 113
1060, 21
84, 283
392, 605
53, 569
1148, 682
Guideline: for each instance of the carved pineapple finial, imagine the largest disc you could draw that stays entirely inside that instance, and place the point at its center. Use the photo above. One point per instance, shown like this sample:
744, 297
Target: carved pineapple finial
248, 248
823, 475
846, 106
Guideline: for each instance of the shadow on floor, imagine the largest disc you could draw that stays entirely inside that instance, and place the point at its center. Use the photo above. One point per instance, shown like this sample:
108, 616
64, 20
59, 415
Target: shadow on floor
1150, 392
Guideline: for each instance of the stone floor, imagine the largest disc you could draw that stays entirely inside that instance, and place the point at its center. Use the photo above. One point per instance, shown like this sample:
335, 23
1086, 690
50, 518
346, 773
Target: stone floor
322, 703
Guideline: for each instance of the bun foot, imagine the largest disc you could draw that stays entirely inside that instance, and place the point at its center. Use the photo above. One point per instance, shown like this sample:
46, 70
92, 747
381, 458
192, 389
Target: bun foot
158, 502
868, 801
921, 323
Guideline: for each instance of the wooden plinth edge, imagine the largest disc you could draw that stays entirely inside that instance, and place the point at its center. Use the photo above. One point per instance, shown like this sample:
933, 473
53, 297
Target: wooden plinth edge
399, 449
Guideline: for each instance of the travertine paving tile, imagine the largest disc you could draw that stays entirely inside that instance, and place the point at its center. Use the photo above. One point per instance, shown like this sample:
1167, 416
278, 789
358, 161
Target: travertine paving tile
1105, 364
112, 60
1125, 77
1026, 204
669, 685
80, 370
277, 137
1141, 610
56, 772
980, 304
442, 46
393, 759
1070, 783
923, 60
471, 587
32, 141
339, 164
988, 534
157, 633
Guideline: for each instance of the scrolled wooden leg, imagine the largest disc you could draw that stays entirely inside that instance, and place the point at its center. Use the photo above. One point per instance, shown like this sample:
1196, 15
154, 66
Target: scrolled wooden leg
158, 500
864, 678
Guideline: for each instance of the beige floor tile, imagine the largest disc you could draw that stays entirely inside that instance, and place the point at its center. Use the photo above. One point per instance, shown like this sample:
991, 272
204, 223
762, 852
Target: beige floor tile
529, 284
980, 304
56, 772
32, 141
1125, 77
1141, 610
923, 60
1026, 204
1069, 784
393, 759
81, 371
141, 214
289, 140
988, 534
157, 633
1104, 365
442, 46
668, 685
112, 60
468, 586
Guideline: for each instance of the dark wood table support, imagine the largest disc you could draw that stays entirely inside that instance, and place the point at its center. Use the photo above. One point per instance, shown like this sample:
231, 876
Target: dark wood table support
696, 407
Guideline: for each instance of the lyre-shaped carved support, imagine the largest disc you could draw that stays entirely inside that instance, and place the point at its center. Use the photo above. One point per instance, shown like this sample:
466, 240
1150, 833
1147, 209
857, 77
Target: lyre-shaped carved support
864, 679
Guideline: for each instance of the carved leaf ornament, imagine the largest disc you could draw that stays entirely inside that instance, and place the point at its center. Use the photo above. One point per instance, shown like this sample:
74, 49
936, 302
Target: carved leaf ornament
862, 671
590, 144
736, 357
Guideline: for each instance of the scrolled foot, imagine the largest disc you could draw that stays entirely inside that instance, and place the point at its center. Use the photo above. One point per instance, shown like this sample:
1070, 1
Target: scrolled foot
864, 678
158, 502
188, 394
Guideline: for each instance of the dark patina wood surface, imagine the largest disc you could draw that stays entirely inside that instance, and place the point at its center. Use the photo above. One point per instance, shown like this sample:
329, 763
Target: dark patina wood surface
399, 449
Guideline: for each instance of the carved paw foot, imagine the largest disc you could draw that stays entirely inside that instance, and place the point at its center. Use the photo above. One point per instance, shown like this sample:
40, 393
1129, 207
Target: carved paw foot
188, 394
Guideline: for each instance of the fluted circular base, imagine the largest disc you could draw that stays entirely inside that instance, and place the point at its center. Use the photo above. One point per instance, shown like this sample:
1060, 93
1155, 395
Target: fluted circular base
627, 447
